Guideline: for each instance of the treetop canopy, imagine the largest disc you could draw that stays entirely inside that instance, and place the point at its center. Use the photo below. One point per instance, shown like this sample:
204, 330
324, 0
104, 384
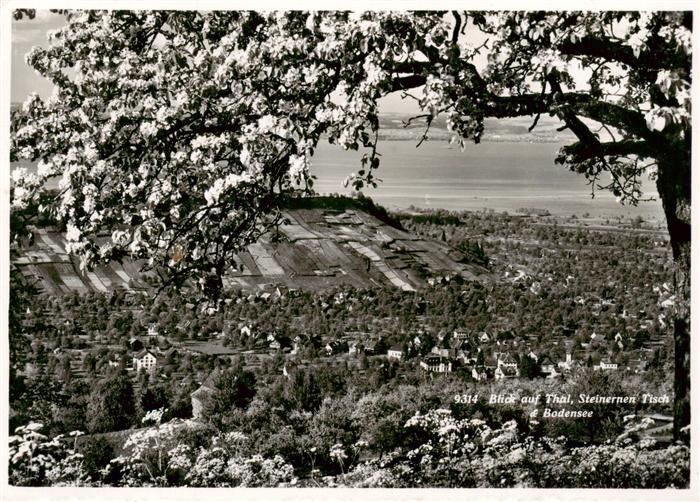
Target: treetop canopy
175, 133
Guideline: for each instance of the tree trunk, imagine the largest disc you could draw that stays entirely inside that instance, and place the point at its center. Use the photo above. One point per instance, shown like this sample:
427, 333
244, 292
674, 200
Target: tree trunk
673, 184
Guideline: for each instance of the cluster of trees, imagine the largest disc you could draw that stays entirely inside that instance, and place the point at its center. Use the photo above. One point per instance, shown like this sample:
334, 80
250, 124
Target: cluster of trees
572, 263
330, 421
111, 402
316, 407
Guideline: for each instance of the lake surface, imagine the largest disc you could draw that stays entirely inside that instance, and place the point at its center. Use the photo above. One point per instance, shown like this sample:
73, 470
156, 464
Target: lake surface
497, 175
503, 176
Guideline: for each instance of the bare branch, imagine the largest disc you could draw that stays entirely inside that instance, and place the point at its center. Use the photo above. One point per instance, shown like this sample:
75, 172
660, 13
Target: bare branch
458, 25
407, 123
409, 82
580, 151
429, 121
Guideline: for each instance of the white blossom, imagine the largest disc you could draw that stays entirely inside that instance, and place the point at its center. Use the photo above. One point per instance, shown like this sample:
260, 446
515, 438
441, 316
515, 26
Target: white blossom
148, 129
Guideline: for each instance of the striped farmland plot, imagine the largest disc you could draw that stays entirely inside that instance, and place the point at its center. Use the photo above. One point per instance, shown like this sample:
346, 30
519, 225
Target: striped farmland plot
320, 249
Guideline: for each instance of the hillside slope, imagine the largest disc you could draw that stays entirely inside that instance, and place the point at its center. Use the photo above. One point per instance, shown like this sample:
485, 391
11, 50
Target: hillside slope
324, 245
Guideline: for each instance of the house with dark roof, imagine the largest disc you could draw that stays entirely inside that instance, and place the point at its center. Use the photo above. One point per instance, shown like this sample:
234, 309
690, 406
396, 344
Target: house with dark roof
335, 347
503, 372
135, 343
490, 362
547, 366
479, 373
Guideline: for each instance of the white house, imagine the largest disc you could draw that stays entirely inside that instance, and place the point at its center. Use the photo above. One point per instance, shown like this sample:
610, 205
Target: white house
436, 364
296, 344
606, 366
145, 359
506, 366
460, 334
506, 360
441, 352
395, 352
566, 365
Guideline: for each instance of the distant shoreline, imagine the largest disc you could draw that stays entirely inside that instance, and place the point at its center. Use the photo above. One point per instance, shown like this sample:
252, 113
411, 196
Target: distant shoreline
496, 176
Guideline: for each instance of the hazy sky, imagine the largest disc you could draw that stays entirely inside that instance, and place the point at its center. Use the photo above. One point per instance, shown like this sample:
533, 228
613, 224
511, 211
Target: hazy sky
26, 34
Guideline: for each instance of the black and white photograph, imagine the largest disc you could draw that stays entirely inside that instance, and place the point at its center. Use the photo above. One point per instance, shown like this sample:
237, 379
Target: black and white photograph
339, 249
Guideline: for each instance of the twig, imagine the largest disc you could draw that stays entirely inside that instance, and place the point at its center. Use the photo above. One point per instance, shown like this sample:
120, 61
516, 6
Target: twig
429, 121
407, 123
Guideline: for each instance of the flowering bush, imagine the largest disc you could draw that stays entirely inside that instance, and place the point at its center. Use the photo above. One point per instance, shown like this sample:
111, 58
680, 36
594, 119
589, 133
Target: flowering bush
610, 466
209, 468
258, 471
155, 458
145, 461
215, 467
448, 453
469, 453
34, 460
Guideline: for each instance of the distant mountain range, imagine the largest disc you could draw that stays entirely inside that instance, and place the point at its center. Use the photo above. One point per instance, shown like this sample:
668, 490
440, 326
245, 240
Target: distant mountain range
330, 241
396, 127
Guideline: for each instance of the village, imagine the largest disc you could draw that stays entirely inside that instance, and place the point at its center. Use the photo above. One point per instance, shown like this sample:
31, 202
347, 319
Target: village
528, 316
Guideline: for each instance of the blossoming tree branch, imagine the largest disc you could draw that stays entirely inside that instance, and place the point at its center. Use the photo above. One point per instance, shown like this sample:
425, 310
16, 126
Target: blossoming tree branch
175, 135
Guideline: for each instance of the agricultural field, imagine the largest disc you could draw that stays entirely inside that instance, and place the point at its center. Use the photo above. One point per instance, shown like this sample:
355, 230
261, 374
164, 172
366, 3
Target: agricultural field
320, 247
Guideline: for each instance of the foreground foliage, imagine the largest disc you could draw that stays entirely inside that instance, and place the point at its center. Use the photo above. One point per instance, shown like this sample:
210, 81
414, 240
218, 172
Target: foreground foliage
445, 452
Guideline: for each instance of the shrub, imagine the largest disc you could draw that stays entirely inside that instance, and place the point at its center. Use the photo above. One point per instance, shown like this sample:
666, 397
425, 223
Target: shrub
34, 460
